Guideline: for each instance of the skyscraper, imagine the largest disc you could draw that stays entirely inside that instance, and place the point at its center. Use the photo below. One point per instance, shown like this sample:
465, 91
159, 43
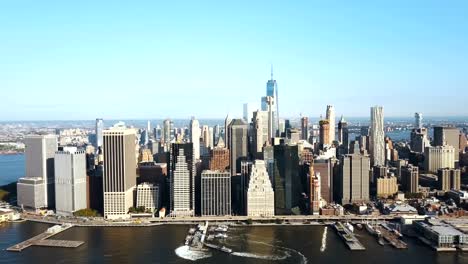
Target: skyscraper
343, 134
99, 129
182, 179
314, 180
238, 145
288, 185
215, 193
410, 178
305, 128
227, 129
166, 135
39, 155
353, 186
272, 91
448, 136
219, 157
195, 137
330, 116
119, 171
418, 120
260, 132
448, 179
249, 108
324, 134
260, 195
377, 136
438, 157
70, 181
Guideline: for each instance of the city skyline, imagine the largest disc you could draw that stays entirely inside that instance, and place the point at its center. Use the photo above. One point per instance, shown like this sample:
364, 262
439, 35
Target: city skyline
322, 54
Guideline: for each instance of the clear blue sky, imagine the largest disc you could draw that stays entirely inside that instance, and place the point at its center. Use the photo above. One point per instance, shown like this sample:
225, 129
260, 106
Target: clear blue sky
157, 59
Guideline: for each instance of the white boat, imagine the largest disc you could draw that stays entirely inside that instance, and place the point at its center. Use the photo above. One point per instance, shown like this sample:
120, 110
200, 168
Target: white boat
349, 227
221, 229
370, 229
220, 235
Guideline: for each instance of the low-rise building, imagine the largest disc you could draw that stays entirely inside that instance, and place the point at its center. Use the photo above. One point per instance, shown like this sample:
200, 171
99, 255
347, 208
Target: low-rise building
148, 196
31, 192
440, 234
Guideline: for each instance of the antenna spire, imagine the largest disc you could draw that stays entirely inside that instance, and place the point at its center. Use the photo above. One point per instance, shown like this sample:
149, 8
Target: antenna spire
272, 72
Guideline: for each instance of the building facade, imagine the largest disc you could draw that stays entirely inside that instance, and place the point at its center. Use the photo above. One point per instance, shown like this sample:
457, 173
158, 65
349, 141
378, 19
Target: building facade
215, 193
439, 157
148, 196
377, 136
31, 193
260, 195
354, 179
330, 116
70, 181
182, 179
410, 178
238, 145
119, 178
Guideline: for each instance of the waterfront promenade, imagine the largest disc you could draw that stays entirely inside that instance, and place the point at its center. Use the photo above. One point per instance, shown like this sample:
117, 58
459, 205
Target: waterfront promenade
141, 222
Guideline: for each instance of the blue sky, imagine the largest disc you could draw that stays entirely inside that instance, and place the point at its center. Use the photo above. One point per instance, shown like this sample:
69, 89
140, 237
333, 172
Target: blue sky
158, 59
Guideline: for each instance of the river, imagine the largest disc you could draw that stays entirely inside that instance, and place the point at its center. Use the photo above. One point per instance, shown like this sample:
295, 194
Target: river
11, 168
164, 244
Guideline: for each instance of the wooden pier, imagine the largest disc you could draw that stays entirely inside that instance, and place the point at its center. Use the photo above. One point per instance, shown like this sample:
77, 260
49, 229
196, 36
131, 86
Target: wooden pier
43, 241
392, 238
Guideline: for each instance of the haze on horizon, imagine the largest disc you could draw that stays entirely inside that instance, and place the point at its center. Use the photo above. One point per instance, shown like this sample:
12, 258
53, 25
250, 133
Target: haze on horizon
139, 60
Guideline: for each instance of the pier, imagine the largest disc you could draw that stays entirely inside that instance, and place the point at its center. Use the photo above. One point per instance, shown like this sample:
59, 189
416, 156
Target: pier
42, 240
392, 238
348, 237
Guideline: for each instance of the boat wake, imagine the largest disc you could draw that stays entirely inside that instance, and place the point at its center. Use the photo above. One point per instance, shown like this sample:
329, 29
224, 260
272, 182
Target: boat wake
324, 240
251, 255
185, 253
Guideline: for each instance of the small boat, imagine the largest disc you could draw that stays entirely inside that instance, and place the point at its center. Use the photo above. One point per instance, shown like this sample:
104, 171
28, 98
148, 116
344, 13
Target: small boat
400, 235
359, 226
370, 229
220, 235
349, 227
221, 229
225, 249
381, 241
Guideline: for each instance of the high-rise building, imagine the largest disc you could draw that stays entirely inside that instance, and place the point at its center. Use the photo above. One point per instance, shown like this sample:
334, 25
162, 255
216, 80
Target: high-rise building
166, 133
70, 181
215, 193
31, 192
216, 135
249, 108
343, 134
386, 186
195, 137
147, 196
211, 137
324, 136
119, 171
260, 195
326, 168
219, 157
448, 179
39, 156
418, 120
448, 136
410, 178
238, 145
182, 179
314, 180
377, 136
353, 186
261, 136
227, 130
206, 136
99, 129
272, 102
419, 140
330, 116
288, 184
439, 157
305, 128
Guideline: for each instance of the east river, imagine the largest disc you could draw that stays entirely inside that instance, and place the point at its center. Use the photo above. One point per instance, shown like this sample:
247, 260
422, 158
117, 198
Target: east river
164, 244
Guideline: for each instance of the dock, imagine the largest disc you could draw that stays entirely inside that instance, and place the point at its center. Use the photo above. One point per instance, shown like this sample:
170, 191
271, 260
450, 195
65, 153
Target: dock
348, 237
42, 240
392, 238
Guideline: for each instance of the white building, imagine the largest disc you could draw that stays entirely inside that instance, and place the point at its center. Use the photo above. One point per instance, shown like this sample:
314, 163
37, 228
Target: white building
377, 136
181, 187
70, 181
39, 159
31, 192
195, 137
148, 196
260, 195
119, 177
260, 130
215, 193
439, 157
